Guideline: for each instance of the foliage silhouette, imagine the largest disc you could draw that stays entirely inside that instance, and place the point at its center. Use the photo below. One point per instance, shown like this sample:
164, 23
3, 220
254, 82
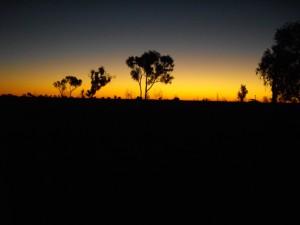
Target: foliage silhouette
152, 67
98, 80
242, 93
73, 83
280, 65
29, 94
61, 86
69, 82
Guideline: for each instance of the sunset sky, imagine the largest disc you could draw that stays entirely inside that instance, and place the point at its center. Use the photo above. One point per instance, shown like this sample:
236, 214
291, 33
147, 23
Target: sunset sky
216, 45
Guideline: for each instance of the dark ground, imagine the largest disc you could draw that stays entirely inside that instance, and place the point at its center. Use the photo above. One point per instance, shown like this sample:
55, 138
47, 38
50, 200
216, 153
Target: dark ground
77, 161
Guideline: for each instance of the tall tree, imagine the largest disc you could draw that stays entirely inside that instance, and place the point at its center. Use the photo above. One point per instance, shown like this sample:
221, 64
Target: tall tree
280, 64
242, 93
73, 83
61, 86
98, 80
150, 68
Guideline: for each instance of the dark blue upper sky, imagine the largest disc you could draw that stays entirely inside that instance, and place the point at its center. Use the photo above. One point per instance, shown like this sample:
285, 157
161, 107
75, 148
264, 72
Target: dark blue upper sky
113, 25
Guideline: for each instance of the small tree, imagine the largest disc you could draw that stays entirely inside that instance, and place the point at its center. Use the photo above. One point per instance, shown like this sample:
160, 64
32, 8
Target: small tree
152, 67
98, 80
61, 86
242, 93
69, 82
73, 83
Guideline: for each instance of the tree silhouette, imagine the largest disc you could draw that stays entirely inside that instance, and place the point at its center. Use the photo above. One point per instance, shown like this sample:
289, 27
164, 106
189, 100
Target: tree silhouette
151, 67
69, 82
98, 79
61, 86
280, 65
242, 93
82, 93
73, 83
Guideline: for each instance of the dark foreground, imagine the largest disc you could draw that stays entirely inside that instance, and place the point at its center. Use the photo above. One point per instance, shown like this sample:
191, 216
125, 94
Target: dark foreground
78, 161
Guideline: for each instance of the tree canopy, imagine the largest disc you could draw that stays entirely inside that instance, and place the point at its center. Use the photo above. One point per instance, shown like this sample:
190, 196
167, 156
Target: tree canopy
98, 80
242, 93
73, 83
280, 65
152, 67
69, 82
61, 86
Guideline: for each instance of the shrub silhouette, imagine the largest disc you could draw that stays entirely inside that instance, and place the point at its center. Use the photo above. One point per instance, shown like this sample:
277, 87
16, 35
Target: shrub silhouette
280, 65
98, 80
151, 67
242, 93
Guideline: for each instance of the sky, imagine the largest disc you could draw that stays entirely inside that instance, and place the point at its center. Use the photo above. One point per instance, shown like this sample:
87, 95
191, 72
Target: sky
216, 45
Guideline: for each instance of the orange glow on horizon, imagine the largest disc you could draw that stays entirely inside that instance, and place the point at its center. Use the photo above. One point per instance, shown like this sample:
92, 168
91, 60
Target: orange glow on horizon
195, 79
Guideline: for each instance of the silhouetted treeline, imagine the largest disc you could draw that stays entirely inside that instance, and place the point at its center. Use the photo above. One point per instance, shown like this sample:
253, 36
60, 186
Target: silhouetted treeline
279, 68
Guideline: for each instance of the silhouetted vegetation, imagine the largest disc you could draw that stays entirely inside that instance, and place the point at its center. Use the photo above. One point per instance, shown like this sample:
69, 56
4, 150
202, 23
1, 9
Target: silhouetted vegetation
70, 83
61, 86
99, 79
76, 158
280, 65
152, 67
73, 83
29, 94
242, 93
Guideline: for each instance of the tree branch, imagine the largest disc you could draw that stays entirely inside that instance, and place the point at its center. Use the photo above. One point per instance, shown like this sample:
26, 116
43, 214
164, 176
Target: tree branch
155, 81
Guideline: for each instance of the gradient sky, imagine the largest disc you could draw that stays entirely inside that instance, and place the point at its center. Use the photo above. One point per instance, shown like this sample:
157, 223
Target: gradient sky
216, 45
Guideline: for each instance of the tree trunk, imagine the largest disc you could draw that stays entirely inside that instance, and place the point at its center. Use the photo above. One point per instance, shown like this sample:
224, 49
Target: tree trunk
274, 94
141, 93
146, 87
